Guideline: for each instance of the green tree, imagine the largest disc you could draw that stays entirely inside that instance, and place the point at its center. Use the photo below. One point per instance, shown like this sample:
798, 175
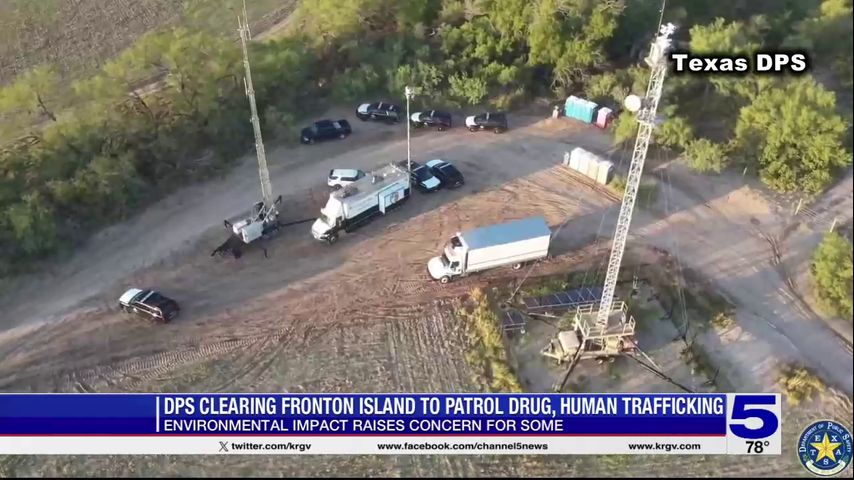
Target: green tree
467, 89
704, 155
832, 271
674, 132
569, 37
33, 224
33, 93
794, 135
828, 35
625, 128
732, 38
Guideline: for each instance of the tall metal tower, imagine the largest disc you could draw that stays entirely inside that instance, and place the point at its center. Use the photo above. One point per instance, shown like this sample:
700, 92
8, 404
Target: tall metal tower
263, 172
646, 109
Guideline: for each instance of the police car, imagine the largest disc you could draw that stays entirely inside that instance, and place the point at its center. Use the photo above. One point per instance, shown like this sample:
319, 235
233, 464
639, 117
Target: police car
383, 111
149, 304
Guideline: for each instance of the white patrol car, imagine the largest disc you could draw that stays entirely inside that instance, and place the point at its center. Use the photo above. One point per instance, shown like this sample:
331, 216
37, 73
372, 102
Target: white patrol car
341, 177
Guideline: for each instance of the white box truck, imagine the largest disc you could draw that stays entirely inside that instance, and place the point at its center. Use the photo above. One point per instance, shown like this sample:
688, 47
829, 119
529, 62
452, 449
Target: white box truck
374, 194
511, 243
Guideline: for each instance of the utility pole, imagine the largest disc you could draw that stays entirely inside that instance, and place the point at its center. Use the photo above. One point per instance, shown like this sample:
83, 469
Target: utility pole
646, 109
263, 172
408, 92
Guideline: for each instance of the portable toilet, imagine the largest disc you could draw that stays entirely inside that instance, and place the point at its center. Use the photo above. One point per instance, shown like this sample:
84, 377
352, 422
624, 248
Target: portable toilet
604, 116
587, 112
590, 165
571, 106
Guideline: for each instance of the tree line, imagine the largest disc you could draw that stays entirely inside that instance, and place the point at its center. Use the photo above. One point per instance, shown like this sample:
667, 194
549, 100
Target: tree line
122, 143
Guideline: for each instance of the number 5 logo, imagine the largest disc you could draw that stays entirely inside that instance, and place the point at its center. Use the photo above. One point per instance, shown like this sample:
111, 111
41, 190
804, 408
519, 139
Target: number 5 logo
746, 407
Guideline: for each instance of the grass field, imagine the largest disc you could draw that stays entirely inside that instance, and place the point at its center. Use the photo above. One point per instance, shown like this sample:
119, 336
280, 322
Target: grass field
77, 36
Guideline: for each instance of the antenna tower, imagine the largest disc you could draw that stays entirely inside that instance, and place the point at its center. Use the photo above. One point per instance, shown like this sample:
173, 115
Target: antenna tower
263, 172
646, 110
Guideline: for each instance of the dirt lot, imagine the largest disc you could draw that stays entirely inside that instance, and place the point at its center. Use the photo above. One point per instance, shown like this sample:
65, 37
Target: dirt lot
357, 316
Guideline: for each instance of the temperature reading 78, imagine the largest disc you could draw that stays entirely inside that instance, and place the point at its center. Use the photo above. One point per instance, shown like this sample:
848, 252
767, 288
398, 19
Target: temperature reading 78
757, 446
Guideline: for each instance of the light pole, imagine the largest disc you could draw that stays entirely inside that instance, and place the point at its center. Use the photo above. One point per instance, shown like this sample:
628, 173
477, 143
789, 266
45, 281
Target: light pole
408, 92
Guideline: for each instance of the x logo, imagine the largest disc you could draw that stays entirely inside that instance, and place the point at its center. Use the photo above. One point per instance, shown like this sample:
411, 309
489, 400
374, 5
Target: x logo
223, 446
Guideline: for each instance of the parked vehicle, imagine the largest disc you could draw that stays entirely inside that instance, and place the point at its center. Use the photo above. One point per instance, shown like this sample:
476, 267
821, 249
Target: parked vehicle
149, 304
383, 111
446, 173
497, 122
512, 243
349, 208
341, 177
432, 118
325, 130
422, 177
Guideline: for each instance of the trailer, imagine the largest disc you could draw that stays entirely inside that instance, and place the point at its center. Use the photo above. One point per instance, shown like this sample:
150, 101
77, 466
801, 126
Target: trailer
513, 243
347, 209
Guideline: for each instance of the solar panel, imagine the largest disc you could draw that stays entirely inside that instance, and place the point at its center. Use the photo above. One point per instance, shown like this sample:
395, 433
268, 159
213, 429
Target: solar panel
513, 320
564, 300
530, 302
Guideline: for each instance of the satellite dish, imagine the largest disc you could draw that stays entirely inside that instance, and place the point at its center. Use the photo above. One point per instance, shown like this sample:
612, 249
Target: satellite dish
632, 103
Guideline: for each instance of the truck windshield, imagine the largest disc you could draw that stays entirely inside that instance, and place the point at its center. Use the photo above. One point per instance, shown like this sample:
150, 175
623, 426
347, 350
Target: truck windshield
455, 242
326, 219
445, 260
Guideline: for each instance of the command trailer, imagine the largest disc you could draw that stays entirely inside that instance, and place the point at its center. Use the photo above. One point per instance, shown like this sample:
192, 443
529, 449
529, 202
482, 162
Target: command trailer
512, 243
374, 194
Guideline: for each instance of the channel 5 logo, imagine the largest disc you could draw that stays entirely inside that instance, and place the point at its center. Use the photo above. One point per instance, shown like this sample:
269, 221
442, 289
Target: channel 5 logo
753, 416
753, 424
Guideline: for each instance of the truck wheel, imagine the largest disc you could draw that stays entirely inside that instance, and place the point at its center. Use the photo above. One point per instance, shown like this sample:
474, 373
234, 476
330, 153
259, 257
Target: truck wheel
472, 129
332, 238
444, 280
498, 130
517, 266
441, 128
342, 136
311, 141
361, 116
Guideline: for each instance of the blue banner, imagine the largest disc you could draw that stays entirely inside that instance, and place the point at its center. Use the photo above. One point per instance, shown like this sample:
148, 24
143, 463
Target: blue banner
363, 414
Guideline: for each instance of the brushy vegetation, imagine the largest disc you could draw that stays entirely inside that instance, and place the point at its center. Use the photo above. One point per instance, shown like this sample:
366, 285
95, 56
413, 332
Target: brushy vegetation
723, 321
799, 385
647, 190
99, 156
832, 270
540, 287
487, 354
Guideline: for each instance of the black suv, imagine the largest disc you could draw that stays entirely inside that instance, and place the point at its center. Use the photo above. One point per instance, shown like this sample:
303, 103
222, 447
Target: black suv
497, 122
422, 177
432, 118
384, 111
325, 130
446, 173
149, 304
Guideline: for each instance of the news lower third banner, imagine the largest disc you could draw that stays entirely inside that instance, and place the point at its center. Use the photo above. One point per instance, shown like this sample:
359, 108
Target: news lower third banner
676, 424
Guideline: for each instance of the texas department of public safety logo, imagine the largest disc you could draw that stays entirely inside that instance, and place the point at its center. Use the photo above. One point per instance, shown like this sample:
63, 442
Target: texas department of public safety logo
824, 448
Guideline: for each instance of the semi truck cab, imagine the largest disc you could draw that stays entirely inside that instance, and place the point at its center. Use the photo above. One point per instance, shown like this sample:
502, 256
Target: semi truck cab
450, 263
443, 268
